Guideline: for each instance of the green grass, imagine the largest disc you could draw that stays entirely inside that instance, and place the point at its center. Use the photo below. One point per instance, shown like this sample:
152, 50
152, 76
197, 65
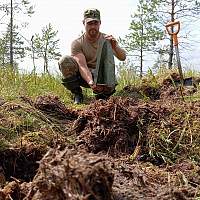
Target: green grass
177, 135
15, 84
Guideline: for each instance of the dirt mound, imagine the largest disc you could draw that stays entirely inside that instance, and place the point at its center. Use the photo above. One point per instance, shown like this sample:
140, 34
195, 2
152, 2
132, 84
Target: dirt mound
69, 174
153, 93
158, 131
116, 126
108, 127
165, 89
52, 106
44, 122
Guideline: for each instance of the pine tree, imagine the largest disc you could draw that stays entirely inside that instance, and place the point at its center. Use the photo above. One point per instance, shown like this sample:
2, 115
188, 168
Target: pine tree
46, 45
12, 8
144, 31
18, 46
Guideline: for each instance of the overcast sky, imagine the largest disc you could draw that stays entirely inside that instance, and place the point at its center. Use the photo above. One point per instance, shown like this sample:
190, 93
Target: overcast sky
66, 16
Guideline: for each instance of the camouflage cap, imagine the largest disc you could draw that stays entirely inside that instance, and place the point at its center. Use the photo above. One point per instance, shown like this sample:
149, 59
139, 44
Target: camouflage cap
92, 14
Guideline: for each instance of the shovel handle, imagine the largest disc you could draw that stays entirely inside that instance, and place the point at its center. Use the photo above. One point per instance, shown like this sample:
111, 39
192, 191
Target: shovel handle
170, 29
170, 26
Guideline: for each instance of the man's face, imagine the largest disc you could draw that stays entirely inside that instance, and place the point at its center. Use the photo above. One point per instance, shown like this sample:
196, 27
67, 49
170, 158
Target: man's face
92, 28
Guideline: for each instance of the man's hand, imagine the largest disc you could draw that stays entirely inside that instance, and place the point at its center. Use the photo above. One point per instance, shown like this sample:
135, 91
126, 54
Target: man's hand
102, 88
112, 40
118, 51
97, 88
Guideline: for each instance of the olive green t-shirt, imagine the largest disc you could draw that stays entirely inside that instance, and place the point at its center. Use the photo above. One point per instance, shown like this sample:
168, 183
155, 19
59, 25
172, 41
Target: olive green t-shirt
89, 49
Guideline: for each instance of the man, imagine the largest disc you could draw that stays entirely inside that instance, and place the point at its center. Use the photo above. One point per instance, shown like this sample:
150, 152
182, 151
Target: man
91, 63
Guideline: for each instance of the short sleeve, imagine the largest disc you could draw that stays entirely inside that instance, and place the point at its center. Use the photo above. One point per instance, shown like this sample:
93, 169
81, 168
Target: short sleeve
76, 48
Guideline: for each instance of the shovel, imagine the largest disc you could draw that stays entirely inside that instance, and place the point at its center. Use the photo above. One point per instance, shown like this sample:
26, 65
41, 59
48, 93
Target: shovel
173, 29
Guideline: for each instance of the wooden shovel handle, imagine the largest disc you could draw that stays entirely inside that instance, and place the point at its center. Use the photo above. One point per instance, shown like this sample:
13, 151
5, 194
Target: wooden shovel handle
170, 25
170, 29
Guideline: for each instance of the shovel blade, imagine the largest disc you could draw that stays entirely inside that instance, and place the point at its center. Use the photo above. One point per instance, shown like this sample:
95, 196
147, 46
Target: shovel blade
186, 82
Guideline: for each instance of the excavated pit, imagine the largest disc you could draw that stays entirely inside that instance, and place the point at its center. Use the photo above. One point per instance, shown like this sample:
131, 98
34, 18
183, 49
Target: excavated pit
17, 166
21, 163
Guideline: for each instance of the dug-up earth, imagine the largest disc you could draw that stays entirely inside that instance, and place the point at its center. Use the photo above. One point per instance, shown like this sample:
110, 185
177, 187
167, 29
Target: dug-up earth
125, 148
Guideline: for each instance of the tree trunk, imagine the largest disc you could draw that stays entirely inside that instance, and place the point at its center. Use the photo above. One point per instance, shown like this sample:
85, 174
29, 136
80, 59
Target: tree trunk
45, 64
33, 54
45, 57
171, 50
141, 47
141, 62
11, 34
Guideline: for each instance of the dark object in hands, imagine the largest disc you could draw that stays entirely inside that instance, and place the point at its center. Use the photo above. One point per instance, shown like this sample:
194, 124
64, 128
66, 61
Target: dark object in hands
102, 89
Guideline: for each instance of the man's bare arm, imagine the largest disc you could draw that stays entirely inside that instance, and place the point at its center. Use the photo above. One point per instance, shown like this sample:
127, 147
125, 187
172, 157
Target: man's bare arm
85, 72
119, 53
83, 68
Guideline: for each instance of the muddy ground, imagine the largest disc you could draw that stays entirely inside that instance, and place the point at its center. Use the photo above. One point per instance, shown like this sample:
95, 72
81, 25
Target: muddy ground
124, 148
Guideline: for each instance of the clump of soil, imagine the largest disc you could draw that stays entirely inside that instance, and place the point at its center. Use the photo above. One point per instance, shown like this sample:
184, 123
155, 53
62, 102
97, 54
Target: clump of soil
52, 106
10, 191
109, 127
168, 88
143, 91
171, 79
152, 92
171, 86
69, 174
145, 181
